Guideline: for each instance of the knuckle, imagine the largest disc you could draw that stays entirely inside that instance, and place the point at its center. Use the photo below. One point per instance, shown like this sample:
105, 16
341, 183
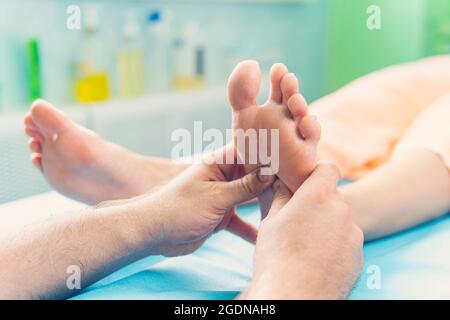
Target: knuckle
329, 169
342, 207
345, 213
215, 190
248, 184
320, 195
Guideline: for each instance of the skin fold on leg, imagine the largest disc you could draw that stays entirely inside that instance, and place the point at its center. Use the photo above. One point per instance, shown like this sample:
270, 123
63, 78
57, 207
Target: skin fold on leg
409, 190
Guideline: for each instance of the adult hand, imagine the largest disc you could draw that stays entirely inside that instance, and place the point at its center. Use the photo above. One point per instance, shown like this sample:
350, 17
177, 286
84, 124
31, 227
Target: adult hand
174, 220
202, 200
308, 246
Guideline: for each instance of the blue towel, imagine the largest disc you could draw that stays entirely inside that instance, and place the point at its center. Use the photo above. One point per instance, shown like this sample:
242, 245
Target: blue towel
411, 265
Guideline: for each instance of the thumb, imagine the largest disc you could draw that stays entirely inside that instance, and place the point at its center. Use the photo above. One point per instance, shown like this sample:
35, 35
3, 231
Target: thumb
245, 188
325, 177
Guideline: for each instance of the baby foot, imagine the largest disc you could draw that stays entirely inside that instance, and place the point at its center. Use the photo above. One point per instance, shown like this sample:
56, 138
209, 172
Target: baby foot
80, 165
286, 110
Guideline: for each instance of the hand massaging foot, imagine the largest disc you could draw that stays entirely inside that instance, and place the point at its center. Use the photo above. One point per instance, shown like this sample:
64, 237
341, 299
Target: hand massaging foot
80, 165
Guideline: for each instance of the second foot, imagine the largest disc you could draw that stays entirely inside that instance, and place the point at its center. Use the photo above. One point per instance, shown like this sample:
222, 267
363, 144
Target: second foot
79, 164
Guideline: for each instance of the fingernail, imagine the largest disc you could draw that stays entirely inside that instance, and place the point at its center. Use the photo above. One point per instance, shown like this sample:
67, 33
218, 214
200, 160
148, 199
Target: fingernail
314, 117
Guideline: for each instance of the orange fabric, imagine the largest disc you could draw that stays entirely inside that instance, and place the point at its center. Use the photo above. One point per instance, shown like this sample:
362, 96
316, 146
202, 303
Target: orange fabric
430, 130
363, 122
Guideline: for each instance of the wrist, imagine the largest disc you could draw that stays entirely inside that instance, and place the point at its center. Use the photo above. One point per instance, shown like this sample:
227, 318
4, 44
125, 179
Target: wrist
268, 286
143, 227
274, 286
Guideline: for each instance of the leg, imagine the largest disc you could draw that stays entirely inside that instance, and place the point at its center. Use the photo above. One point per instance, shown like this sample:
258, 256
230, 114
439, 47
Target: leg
82, 166
406, 191
377, 108
414, 186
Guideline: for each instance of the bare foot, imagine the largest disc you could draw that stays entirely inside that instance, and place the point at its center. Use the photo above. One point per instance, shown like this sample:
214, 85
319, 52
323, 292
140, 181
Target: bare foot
80, 165
286, 110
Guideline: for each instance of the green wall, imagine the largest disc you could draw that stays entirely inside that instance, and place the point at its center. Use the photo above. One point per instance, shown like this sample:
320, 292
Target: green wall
354, 50
438, 27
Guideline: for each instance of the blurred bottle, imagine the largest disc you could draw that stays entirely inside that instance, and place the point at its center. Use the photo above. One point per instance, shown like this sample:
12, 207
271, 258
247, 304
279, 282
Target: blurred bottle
189, 58
130, 62
157, 57
92, 82
34, 70
2, 76
14, 80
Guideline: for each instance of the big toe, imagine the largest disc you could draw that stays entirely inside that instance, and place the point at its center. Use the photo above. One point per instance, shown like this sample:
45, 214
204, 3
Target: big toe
47, 118
243, 85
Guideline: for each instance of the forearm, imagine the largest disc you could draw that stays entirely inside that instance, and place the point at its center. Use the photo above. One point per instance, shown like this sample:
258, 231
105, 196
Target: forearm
314, 286
38, 261
409, 190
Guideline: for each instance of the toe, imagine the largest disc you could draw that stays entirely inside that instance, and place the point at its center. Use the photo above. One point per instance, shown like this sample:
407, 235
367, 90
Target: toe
36, 159
243, 85
277, 73
297, 106
289, 86
48, 119
309, 128
34, 134
28, 122
35, 145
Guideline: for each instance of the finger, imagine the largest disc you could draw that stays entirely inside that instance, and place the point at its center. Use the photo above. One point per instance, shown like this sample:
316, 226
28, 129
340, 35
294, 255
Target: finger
358, 240
242, 229
265, 202
225, 159
245, 188
324, 177
281, 196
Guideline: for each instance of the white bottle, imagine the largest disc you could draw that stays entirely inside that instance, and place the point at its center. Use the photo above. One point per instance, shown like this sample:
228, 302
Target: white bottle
189, 58
130, 61
157, 53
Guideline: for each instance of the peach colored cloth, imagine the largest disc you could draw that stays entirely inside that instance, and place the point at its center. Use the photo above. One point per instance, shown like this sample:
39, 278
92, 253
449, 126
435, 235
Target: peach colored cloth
363, 123
430, 130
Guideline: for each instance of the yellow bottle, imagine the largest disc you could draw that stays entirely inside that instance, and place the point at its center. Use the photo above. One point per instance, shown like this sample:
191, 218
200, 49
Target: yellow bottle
130, 61
92, 83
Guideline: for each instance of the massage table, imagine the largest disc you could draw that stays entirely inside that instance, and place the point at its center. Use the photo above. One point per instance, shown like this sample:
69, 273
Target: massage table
414, 264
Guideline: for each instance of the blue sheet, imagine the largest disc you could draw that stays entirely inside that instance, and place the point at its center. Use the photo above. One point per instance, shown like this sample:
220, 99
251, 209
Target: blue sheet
413, 264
